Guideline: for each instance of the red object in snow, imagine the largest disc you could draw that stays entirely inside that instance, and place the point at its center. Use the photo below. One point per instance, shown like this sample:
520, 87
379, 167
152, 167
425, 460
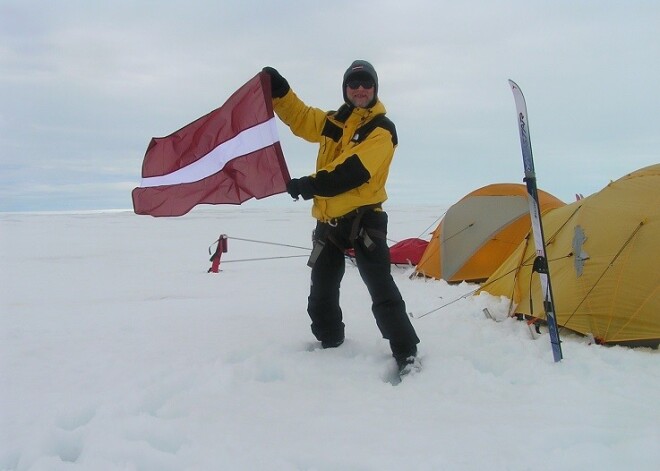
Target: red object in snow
220, 249
406, 252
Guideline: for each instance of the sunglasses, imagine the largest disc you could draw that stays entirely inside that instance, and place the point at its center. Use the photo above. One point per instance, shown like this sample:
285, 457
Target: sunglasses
355, 84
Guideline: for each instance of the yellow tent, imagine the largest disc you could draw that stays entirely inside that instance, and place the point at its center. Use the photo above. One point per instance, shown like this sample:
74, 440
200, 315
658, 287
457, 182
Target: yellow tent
479, 232
604, 262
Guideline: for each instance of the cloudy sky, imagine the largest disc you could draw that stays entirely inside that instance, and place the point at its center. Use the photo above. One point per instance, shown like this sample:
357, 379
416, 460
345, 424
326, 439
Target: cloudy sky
84, 85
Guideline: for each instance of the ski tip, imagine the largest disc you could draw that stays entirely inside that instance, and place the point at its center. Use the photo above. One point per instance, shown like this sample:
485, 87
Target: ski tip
513, 84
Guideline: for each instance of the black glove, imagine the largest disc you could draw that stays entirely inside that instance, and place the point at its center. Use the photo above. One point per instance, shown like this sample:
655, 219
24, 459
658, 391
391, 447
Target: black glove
298, 187
293, 188
278, 84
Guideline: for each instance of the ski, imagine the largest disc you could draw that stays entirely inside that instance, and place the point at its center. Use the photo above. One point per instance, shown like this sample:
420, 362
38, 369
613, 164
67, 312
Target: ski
541, 261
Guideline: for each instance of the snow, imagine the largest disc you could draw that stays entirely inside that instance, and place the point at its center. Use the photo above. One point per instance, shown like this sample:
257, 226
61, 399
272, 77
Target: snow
118, 351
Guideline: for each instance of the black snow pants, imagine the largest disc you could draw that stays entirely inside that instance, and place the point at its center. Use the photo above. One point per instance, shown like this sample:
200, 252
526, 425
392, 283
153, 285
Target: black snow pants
367, 236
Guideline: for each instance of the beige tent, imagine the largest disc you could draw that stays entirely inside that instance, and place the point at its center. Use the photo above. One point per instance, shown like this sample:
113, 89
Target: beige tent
479, 232
604, 261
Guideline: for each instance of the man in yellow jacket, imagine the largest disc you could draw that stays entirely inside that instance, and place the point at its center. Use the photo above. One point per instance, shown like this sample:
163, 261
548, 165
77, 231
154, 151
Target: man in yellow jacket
356, 146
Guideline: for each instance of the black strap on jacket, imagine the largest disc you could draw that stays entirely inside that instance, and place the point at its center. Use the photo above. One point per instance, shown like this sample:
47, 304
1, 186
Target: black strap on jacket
335, 132
380, 121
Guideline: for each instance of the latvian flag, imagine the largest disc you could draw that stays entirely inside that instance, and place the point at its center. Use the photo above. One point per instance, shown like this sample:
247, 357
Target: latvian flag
228, 156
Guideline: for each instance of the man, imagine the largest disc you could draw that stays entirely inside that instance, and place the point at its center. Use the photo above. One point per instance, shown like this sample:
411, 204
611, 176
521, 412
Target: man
356, 146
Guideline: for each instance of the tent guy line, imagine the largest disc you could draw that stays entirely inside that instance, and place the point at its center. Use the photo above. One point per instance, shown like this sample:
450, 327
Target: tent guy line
278, 244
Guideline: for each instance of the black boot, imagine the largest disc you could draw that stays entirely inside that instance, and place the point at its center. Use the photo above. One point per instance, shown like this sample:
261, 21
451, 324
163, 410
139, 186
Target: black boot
406, 358
408, 365
332, 343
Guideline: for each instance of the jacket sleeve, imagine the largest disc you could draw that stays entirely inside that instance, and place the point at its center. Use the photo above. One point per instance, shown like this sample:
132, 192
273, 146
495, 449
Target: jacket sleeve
376, 151
370, 158
345, 176
304, 121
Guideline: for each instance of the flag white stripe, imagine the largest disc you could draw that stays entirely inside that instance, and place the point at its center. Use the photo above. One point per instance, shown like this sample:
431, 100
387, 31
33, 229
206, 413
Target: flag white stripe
246, 142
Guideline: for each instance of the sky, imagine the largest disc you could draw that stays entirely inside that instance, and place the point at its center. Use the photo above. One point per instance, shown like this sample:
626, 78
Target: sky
85, 85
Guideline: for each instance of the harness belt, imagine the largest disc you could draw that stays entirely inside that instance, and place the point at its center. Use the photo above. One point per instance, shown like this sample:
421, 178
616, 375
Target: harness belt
357, 232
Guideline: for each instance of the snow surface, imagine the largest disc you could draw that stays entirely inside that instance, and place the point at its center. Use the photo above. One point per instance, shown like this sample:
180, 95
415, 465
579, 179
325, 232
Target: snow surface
118, 351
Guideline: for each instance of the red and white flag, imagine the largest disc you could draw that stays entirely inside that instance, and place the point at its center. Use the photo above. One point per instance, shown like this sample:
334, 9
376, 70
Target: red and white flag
228, 156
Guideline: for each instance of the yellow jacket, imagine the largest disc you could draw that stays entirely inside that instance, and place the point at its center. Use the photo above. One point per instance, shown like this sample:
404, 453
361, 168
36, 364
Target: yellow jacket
350, 172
